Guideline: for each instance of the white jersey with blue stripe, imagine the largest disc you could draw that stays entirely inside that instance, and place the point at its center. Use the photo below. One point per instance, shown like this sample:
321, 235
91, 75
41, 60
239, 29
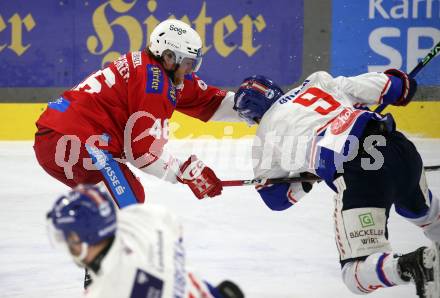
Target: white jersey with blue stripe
309, 128
147, 259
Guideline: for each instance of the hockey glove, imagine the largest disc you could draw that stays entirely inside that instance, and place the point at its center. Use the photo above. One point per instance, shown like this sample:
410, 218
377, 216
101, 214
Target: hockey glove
200, 178
408, 86
229, 289
298, 190
283, 195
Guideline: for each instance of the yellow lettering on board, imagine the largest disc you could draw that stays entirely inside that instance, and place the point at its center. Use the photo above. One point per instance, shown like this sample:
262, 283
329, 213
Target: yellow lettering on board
102, 42
104, 32
2, 27
220, 34
247, 33
17, 32
200, 22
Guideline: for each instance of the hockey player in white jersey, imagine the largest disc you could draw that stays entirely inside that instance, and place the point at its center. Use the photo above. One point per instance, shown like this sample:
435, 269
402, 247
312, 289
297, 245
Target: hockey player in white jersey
137, 252
316, 129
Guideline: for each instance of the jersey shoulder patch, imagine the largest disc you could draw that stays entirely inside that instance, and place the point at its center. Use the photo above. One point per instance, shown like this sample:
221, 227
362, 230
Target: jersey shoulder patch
155, 79
136, 57
146, 285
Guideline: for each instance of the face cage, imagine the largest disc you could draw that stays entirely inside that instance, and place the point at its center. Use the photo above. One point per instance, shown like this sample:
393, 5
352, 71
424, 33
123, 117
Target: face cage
242, 114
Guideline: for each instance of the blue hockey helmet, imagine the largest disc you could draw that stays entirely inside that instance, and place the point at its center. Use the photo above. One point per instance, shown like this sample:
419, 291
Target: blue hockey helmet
86, 211
255, 96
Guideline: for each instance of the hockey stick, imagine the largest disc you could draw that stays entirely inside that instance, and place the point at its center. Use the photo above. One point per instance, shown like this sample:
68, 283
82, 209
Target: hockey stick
432, 168
416, 70
269, 181
379, 109
291, 179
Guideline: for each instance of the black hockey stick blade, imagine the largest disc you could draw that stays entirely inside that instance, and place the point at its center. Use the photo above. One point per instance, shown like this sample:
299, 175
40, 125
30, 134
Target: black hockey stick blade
291, 179
435, 50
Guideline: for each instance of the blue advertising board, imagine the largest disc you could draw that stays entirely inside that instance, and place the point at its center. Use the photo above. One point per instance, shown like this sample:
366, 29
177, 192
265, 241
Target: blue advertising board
58, 43
374, 35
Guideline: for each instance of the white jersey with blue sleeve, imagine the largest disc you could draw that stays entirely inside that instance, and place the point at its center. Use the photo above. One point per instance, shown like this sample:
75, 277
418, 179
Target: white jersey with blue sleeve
312, 129
147, 259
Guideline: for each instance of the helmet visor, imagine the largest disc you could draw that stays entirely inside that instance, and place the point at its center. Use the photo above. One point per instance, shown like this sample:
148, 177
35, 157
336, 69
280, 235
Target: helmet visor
190, 60
74, 248
193, 65
56, 237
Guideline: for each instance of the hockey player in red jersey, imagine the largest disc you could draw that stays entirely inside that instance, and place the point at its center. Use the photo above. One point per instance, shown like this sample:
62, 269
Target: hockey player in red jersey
120, 114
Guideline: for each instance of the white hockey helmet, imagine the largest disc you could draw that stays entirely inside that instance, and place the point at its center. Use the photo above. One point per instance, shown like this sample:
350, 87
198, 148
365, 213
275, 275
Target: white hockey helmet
178, 37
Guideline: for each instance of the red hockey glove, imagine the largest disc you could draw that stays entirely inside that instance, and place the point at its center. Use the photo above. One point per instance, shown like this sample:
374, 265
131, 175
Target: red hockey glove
409, 86
200, 178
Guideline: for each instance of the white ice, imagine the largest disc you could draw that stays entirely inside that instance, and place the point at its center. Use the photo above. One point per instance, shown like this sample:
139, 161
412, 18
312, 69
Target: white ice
235, 236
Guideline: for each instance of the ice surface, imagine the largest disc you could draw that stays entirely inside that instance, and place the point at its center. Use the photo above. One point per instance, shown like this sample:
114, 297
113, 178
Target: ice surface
269, 254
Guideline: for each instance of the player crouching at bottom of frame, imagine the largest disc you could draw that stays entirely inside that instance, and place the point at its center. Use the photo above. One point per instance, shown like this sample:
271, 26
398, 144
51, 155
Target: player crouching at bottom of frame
137, 252
322, 117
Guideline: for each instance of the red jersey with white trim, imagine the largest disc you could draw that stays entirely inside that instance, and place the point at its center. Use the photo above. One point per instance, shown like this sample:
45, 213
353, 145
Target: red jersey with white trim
132, 92
198, 99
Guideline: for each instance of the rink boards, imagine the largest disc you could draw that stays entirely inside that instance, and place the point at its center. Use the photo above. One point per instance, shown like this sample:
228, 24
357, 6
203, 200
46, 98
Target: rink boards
240, 39
17, 122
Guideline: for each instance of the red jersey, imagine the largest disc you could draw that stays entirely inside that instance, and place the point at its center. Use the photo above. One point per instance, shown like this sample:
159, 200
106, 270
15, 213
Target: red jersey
134, 87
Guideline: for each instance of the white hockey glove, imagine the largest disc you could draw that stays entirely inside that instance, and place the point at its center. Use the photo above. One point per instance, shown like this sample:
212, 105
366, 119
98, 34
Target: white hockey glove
297, 190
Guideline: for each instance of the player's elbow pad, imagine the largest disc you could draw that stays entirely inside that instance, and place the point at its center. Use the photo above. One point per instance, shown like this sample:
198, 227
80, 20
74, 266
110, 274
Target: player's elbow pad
165, 167
275, 196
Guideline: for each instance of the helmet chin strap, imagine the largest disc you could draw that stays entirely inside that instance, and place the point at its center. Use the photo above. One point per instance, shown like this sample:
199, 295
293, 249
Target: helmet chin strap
79, 260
